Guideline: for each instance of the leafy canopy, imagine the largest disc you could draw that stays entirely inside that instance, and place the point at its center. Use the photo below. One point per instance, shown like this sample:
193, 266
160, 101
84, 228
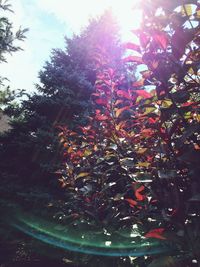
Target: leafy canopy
137, 160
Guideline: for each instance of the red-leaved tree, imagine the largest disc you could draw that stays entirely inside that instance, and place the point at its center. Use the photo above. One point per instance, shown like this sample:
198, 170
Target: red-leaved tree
137, 161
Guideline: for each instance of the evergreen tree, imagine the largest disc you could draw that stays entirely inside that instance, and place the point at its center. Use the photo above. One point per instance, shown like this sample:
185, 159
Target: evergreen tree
31, 150
8, 45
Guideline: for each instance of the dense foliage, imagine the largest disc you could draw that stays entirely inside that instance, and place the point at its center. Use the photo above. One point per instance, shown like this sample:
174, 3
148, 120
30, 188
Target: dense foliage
31, 149
126, 147
137, 160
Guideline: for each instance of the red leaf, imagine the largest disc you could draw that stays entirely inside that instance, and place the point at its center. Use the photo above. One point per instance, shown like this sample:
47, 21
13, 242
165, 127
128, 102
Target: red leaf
138, 83
196, 147
121, 125
120, 110
150, 158
161, 39
95, 94
79, 153
87, 200
132, 202
132, 47
85, 129
138, 195
72, 133
146, 74
141, 188
119, 101
147, 132
156, 233
187, 104
154, 64
101, 117
133, 59
90, 136
124, 94
151, 120
101, 101
98, 111
111, 72
143, 93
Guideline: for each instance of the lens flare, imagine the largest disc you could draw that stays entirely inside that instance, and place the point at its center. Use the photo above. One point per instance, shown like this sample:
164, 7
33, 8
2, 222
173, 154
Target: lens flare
117, 243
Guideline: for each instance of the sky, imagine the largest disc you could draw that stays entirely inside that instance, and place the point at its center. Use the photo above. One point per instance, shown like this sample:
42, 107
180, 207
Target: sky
48, 22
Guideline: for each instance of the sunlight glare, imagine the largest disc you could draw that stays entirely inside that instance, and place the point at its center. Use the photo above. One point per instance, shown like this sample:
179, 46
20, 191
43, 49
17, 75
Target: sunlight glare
128, 15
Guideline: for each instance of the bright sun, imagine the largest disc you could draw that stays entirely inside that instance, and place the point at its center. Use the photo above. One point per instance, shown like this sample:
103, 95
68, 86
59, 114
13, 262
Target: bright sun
128, 15
127, 12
